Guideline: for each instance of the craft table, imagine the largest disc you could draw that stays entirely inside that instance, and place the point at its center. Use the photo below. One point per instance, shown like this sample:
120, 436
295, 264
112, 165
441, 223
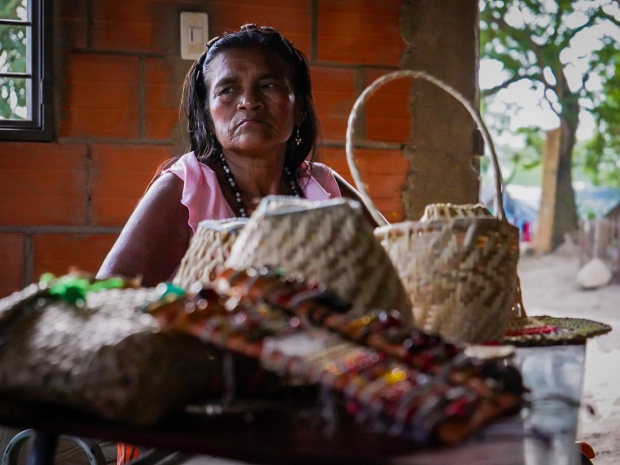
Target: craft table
542, 435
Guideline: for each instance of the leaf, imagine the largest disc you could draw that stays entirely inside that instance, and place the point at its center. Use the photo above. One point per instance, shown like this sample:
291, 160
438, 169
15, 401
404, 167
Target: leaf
517, 45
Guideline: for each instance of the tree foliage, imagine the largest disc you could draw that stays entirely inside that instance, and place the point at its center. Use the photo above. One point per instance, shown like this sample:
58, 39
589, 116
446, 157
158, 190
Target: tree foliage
13, 59
602, 154
531, 39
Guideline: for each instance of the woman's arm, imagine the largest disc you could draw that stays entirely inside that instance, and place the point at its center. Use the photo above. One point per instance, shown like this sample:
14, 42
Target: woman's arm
348, 191
155, 238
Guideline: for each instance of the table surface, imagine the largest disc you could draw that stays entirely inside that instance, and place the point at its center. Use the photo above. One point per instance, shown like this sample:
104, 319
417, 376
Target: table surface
543, 434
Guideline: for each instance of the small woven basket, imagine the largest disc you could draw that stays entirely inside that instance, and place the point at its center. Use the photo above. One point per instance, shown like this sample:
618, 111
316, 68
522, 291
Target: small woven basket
458, 263
208, 250
328, 242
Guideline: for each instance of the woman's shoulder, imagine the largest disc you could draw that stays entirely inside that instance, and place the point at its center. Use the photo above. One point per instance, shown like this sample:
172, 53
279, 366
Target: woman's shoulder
323, 175
319, 167
201, 192
319, 171
189, 169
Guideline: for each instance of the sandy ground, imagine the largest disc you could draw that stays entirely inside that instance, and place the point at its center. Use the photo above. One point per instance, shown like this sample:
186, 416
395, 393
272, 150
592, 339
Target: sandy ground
549, 288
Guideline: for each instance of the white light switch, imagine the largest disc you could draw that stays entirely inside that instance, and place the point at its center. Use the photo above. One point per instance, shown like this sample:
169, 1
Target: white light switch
194, 34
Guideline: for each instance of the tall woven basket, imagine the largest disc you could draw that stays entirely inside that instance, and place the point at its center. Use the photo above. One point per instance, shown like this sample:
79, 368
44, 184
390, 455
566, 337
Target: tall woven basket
459, 262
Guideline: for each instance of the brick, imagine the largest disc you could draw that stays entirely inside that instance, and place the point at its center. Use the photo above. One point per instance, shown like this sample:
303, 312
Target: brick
73, 32
360, 31
333, 90
120, 176
388, 118
71, 9
383, 171
163, 98
55, 253
135, 25
12, 259
73, 23
292, 18
42, 184
102, 97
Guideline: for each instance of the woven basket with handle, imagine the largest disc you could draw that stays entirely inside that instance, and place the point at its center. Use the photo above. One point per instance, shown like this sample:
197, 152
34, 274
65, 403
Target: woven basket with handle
459, 262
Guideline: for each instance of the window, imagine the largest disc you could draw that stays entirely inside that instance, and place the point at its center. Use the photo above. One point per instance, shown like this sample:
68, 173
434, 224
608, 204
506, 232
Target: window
25, 71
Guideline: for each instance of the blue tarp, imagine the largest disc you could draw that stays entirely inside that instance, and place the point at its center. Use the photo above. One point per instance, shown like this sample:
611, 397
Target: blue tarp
523, 202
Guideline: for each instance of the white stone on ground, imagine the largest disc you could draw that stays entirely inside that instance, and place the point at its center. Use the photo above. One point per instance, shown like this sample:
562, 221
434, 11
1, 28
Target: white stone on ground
594, 274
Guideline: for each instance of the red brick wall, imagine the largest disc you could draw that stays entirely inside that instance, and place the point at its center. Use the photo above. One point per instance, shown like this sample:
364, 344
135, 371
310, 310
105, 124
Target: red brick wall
118, 76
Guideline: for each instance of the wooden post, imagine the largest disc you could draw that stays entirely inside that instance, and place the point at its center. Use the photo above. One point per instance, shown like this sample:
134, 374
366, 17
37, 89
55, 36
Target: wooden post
551, 159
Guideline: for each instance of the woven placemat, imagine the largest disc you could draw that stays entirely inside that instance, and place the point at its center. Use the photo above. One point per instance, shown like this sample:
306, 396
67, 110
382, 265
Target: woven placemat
547, 330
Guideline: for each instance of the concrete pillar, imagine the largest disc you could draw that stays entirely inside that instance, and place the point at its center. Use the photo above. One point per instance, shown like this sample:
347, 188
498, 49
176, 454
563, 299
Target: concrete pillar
442, 39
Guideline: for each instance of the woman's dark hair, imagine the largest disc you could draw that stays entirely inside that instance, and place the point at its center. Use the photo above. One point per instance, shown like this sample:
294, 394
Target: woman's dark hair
196, 104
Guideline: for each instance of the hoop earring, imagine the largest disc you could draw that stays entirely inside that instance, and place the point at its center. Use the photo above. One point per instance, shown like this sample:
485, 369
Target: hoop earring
298, 137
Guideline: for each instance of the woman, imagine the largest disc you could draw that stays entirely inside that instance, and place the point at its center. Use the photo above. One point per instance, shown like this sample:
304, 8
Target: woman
252, 125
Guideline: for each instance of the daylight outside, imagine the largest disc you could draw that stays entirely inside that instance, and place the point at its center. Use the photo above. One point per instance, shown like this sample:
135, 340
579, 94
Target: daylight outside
14, 60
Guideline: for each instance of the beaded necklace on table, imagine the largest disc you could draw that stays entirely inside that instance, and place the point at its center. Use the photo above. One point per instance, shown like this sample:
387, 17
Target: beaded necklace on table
237, 192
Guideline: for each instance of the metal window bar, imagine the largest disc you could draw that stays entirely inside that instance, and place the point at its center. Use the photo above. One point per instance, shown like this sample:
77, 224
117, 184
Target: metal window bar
16, 75
38, 126
14, 22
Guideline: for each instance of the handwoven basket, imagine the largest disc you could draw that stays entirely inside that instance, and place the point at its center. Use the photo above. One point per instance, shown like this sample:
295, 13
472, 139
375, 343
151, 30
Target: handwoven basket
208, 250
109, 358
459, 263
328, 242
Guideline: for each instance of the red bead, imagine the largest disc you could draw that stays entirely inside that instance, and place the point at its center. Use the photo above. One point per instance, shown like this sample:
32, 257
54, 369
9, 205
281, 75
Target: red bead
458, 408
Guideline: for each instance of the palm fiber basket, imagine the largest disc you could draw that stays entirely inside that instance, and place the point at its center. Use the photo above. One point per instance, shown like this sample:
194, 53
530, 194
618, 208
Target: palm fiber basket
328, 242
208, 250
459, 262
107, 358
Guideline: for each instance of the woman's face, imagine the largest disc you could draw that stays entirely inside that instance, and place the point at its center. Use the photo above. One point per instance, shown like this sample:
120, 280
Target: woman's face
251, 101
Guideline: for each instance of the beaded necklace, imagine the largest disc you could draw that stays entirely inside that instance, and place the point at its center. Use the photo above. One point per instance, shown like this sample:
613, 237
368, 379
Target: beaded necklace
237, 192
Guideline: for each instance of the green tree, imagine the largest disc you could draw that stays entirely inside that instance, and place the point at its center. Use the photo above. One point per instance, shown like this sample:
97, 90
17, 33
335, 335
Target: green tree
13, 56
530, 38
601, 156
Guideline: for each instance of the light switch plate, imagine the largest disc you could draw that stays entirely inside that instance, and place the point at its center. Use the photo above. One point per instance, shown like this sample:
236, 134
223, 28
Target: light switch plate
194, 34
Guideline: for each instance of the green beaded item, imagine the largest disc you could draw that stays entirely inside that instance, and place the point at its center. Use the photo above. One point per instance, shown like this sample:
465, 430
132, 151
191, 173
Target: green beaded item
567, 331
74, 288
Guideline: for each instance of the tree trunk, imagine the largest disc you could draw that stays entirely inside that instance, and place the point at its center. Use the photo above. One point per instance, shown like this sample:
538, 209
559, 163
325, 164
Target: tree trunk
565, 214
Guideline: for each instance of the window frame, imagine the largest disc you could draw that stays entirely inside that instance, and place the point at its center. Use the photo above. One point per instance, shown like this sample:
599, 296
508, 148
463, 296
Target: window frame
39, 127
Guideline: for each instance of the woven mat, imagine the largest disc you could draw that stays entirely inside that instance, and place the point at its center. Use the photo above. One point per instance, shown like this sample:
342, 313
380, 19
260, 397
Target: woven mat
546, 330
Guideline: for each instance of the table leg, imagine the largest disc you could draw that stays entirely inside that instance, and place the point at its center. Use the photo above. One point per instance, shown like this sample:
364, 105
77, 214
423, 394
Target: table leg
43, 449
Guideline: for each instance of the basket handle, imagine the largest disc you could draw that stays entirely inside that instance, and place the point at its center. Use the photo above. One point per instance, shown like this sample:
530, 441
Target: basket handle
361, 101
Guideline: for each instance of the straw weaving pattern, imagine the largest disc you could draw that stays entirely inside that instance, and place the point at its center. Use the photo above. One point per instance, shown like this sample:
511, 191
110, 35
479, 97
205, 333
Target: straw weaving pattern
327, 242
448, 211
564, 331
460, 275
108, 358
458, 263
208, 250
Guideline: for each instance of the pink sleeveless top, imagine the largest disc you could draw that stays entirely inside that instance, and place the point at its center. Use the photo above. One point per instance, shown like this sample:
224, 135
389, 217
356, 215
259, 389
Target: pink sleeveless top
204, 199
